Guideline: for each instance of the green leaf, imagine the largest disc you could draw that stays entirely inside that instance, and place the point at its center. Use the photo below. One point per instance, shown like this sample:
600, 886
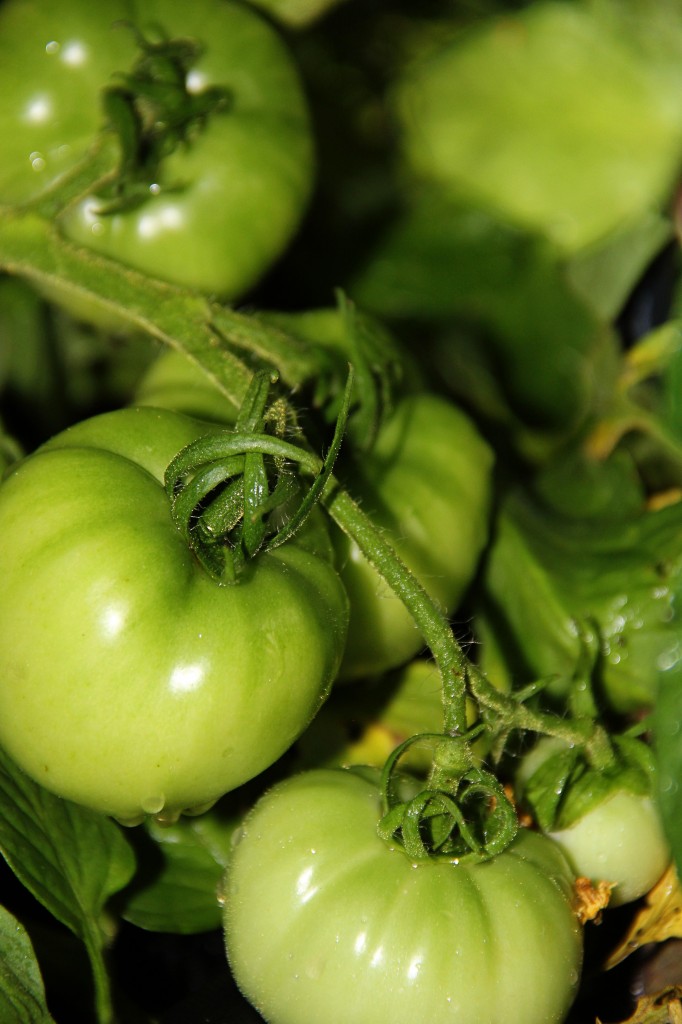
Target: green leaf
509, 294
604, 275
71, 859
545, 788
564, 787
22, 996
548, 571
185, 863
667, 727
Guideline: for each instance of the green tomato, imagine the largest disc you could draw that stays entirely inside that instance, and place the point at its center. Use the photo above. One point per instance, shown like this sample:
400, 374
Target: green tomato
132, 682
173, 381
223, 204
619, 840
325, 921
427, 485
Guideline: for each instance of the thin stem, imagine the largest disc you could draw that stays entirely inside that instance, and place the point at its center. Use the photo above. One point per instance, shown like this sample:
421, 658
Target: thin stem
103, 1002
430, 621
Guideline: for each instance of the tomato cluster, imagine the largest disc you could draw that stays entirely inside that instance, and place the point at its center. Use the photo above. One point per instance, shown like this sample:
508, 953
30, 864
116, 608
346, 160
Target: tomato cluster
330, 625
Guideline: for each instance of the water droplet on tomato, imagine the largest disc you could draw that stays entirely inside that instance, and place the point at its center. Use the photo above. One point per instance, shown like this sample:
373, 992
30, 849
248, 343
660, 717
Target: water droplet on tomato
153, 804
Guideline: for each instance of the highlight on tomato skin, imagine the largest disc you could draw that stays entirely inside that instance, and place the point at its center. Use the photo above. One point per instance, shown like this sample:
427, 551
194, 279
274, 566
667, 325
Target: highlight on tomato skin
324, 920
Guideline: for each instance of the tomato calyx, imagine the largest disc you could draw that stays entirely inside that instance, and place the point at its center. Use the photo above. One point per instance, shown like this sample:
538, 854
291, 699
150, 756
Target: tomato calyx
238, 492
566, 786
152, 111
463, 814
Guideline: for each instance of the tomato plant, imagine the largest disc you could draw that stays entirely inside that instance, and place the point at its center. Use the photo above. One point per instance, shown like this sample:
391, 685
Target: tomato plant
325, 921
172, 688
212, 202
447, 405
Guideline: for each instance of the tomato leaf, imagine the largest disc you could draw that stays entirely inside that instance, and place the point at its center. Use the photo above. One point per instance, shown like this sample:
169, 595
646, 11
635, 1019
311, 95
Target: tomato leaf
188, 859
514, 288
71, 859
22, 996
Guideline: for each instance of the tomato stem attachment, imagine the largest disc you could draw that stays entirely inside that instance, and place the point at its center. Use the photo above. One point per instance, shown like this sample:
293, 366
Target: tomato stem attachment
233, 493
152, 112
462, 814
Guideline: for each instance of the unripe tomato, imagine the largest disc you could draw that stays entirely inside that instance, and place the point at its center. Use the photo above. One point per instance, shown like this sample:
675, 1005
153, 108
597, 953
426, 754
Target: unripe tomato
325, 921
618, 840
133, 682
223, 203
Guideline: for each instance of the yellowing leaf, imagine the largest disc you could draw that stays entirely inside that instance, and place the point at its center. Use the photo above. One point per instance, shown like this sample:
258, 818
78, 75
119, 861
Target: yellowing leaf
659, 919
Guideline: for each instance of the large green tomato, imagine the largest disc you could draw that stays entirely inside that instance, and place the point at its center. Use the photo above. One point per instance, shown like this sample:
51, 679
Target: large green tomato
224, 203
325, 921
131, 681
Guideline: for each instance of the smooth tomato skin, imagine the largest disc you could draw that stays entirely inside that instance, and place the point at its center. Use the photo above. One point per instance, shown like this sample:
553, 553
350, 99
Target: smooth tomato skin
324, 921
427, 485
621, 840
229, 201
172, 381
132, 682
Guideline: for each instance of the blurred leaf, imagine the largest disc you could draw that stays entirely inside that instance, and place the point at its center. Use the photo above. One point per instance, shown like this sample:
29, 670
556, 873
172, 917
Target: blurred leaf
348, 731
22, 995
554, 117
605, 274
664, 1008
536, 350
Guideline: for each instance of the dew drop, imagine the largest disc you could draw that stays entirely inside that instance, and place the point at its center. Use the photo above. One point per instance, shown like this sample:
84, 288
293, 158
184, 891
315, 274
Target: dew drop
668, 659
129, 821
153, 804
37, 162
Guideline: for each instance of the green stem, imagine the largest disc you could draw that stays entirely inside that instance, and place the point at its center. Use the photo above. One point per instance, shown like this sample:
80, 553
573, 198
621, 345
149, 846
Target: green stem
32, 248
430, 621
512, 714
103, 1002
